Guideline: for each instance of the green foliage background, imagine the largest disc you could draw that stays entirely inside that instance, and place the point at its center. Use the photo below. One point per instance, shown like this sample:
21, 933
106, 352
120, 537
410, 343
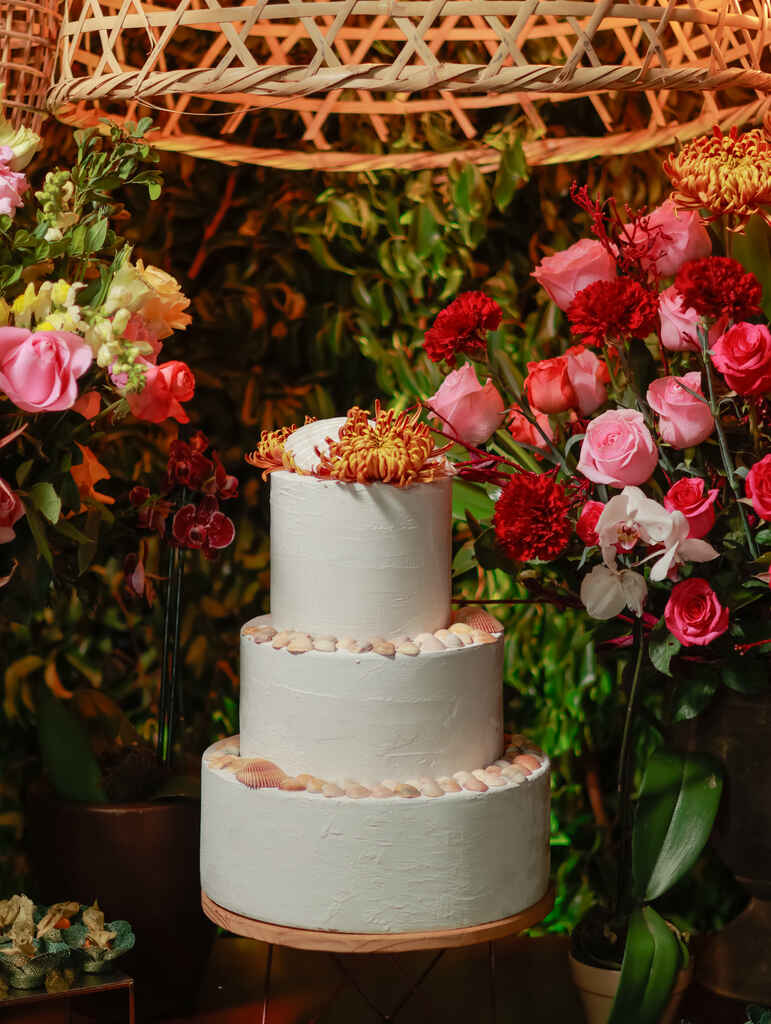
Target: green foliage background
311, 293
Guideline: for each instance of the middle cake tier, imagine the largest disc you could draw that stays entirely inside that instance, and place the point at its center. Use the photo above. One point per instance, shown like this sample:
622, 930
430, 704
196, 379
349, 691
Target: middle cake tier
369, 717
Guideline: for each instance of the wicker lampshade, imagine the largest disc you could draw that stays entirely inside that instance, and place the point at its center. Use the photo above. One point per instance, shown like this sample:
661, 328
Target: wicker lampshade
386, 59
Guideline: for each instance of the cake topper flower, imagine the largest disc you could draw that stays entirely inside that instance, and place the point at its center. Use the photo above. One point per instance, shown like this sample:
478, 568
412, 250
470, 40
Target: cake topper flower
394, 449
271, 454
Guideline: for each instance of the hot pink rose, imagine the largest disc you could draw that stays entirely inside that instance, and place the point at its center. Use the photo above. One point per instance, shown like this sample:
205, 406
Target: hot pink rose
684, 420
589, 377
586, 527
688, 496
11, 510
618, 449
165, 387
679, 236
12, 184
743, 356
566, 273
467, 410
522, 430
39, 371
548, 386
693, 613
758, 487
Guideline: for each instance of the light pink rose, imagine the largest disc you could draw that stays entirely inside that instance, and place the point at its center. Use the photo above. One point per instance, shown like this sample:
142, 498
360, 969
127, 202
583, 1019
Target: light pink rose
566, 273
618, 449
693, 613
684, 420
39, 370
466, 410
522, 430
12, 184
679, 324
11, 510
165, 387
679, 236
688, 496
589, 378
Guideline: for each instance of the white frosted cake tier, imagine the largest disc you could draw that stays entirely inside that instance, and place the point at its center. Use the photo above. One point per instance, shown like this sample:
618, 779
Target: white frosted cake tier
368, 716
359, 559
374, 865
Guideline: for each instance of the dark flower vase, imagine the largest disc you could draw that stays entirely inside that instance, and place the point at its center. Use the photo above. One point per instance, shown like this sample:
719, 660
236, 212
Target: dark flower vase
736, 961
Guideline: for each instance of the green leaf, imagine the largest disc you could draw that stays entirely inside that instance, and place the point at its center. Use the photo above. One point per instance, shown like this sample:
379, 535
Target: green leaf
662, 647
746, 675
676, 810
86, 552
471, 497
652, 959
154, 190
46, 500
464, 561
66, 752
38, 531
512, 174
758, 1014
22, 471
694, 693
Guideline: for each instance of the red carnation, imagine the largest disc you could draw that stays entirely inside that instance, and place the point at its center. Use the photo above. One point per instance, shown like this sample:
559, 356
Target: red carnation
531, 517
719, 286
463, 327
610, 311
203, 527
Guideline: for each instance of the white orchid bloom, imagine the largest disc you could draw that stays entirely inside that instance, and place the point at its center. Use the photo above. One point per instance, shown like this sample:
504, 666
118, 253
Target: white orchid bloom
679, 548
606, 592
628, 517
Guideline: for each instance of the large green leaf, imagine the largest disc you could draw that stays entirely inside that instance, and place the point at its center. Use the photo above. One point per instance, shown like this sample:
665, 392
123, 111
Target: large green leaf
652, 958
676, 809
66, 752
468, 496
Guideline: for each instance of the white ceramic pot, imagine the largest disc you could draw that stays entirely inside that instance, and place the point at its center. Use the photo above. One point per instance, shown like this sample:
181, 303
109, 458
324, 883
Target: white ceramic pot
597, 988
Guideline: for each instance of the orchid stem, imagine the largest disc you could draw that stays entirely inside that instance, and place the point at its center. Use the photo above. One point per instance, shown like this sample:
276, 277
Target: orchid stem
625, 772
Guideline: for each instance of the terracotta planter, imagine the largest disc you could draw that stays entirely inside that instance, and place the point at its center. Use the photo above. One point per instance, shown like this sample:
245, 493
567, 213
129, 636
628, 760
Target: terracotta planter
597, 988
141, 862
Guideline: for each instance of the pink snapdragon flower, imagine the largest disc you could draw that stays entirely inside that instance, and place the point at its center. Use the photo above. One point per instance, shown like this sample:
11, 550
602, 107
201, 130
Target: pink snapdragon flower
13, 184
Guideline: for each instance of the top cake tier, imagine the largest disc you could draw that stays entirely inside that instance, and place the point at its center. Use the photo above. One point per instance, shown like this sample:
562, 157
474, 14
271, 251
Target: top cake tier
364, 560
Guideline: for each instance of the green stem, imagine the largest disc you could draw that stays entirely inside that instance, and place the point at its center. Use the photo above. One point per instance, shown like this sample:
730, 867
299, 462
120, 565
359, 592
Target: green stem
626, 774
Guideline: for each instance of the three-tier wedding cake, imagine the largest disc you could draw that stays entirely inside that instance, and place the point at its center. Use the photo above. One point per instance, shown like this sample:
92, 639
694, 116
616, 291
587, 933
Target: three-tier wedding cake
370, 789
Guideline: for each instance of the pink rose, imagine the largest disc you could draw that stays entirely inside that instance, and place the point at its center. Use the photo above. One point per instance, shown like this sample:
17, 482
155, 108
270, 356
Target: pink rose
684, 420
687, 496
618, 449
522, 430
467, 411
137, 329
758, 487
566, 273
548, 386
12, 184
743, 356
38, 371
11, 510
589, 377
165, 387
678, 236
586, 527
679, 326
693, 613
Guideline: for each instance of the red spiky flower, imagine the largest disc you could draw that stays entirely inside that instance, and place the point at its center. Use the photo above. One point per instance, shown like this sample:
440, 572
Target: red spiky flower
463, 327
610, 312
719, 286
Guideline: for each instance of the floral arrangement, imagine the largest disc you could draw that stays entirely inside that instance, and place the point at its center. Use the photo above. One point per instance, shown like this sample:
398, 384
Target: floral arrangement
630, 470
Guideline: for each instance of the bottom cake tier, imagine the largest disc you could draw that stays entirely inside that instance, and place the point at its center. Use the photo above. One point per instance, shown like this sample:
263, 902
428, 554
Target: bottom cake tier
377, 865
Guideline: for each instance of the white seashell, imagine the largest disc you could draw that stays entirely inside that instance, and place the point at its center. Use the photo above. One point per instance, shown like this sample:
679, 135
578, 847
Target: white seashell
355, 646
448, 639
514, 774
330, 789
292, 785
493, 769
258, 773
470, 782
429, 787
346, 643
493, 781
382, 791
391, 783
480, 637
461, 628
449, 785
502, 763
326, 636
428, 642
301, 643
323, 644
478, 618
282, 639
225, 761
384, 647
403, 789
357, 792
527, 763
315, 785
408, 647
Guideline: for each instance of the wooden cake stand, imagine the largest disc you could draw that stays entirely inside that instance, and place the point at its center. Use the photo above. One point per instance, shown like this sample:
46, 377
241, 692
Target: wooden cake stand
336, 943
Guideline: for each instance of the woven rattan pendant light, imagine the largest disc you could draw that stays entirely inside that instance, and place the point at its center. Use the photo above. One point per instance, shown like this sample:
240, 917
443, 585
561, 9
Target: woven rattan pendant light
381, 60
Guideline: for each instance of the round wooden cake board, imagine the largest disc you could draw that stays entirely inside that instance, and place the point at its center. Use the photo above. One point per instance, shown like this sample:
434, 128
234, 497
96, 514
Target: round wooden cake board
362, 942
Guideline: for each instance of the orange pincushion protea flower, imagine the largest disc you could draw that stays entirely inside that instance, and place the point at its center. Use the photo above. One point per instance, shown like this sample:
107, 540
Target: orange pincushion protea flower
730, 175
396, 449
271, 454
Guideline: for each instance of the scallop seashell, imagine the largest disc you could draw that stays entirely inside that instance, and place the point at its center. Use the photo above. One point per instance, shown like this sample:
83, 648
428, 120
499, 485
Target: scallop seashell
527, 763
292, 785
471, 782
257, 773
315, 785
404, 789
409, 648
357, 791
428, 642
324, 643
300, 644
430, 787
492, 781
384, 647
480, 637
493, 769
478, 618
449, 785
282, 639
514, 774
330, 789
382, 791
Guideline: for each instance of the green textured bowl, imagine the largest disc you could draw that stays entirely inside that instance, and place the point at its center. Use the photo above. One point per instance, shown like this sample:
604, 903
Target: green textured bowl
30, 971
93, 959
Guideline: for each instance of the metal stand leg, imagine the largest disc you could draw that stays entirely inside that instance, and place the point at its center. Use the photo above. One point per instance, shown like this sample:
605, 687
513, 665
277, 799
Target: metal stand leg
491, 963
266, 986
386, 1017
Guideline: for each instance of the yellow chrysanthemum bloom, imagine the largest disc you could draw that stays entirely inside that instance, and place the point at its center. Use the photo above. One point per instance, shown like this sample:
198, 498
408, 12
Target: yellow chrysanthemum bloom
729, 175
271, 454
396, 449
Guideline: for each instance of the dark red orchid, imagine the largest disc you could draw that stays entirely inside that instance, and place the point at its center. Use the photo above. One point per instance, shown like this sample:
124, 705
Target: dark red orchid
223, 484
151, 515
203, 527
187, 465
